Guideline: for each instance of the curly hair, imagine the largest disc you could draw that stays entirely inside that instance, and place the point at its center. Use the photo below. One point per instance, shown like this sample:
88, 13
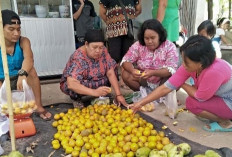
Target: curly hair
154, 25
199, 49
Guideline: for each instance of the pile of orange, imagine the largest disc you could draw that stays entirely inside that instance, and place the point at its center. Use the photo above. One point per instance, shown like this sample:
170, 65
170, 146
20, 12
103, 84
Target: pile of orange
98, 130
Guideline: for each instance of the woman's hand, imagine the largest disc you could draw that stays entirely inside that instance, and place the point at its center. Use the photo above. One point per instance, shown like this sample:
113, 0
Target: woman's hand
136, 73
135, 107
121, 100
102, 91
147, 74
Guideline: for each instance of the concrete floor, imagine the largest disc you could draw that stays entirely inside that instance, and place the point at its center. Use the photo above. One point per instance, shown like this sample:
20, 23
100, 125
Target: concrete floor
188, 125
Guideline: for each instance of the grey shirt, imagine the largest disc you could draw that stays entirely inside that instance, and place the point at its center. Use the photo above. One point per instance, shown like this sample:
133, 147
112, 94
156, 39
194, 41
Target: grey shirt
85, 20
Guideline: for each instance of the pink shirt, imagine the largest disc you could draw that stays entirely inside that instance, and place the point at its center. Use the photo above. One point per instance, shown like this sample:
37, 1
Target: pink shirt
165, 56
214, 80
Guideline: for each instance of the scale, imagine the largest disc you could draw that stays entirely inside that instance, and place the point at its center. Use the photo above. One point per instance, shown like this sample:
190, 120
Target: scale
24, 126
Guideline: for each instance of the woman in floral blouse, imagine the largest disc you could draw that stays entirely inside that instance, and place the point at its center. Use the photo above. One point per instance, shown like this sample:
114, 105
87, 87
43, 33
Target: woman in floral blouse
90, 70
150, 60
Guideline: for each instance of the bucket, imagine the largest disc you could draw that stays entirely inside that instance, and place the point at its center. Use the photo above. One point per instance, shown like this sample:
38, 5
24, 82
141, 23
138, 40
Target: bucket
40, 11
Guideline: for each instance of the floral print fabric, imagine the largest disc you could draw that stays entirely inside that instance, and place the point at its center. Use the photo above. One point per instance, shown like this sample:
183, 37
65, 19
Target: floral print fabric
90, 72
165, 56
116, 22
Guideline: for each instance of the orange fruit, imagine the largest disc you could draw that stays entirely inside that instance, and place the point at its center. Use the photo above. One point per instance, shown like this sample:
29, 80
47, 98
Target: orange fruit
114, 131
126, 148
56, 116
109, 148
83, 154
56, 145
68, 150
55, 141
130, 154
165, 140
134, 147
95, 155
151, 144
79, 142
134, 139
75, 153
55, 124
56, 136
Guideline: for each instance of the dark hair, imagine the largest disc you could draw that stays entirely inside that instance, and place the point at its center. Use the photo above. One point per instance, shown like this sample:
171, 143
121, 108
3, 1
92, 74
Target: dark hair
8, 15
154, 25
221, 20
199, 49
208, 26
94, 35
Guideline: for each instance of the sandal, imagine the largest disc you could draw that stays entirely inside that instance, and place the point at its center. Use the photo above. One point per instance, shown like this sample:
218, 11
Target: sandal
215, 127
43, 116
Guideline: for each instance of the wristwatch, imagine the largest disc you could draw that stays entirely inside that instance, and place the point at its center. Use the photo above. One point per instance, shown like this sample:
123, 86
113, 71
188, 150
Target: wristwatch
22, 72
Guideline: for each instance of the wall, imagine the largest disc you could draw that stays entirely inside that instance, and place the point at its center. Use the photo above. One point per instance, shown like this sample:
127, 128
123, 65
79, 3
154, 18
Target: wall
201, 13
5, 4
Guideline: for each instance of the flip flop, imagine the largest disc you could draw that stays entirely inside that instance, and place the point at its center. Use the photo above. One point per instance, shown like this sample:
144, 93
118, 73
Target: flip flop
43, 114
215, 127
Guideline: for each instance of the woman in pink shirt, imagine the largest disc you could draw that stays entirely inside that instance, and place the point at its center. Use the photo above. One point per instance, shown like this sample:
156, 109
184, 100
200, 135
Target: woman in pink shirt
151, 59
211, 96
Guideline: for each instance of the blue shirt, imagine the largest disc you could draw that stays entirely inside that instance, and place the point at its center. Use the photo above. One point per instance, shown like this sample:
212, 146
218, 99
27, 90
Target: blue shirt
15, 61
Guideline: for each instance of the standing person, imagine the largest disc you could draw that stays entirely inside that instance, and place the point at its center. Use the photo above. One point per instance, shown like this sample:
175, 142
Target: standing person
83, 16
155, 57
111, 13
90, 71
207, 29
167, 12
222, 25
20, 60
211, 96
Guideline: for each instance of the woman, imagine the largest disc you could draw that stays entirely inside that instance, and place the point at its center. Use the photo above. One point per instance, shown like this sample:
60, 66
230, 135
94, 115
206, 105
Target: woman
207, 29
167, 12
154, 57
90, 70
223, 24
83, 18
211, 96
111, 12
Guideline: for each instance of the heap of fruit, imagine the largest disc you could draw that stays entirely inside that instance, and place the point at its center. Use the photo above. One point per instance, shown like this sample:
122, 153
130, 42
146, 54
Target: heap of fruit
19, 107
100, 130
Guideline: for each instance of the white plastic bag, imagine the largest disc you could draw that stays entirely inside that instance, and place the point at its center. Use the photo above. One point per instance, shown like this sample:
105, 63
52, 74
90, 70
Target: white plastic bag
23, 101
170, 102
144, 91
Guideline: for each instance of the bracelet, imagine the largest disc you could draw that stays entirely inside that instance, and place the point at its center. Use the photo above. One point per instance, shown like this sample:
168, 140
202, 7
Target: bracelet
118, 95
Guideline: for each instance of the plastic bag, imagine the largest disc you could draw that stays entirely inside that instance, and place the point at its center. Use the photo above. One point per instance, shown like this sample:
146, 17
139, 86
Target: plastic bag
144, 91
170, 102
101, 101
23, 101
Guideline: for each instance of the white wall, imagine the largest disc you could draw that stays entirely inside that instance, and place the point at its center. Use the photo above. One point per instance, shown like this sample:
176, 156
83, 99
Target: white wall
5, 4
201, 13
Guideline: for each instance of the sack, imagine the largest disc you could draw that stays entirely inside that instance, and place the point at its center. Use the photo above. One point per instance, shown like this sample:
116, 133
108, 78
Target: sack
171, 104
130, 32
23, 101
